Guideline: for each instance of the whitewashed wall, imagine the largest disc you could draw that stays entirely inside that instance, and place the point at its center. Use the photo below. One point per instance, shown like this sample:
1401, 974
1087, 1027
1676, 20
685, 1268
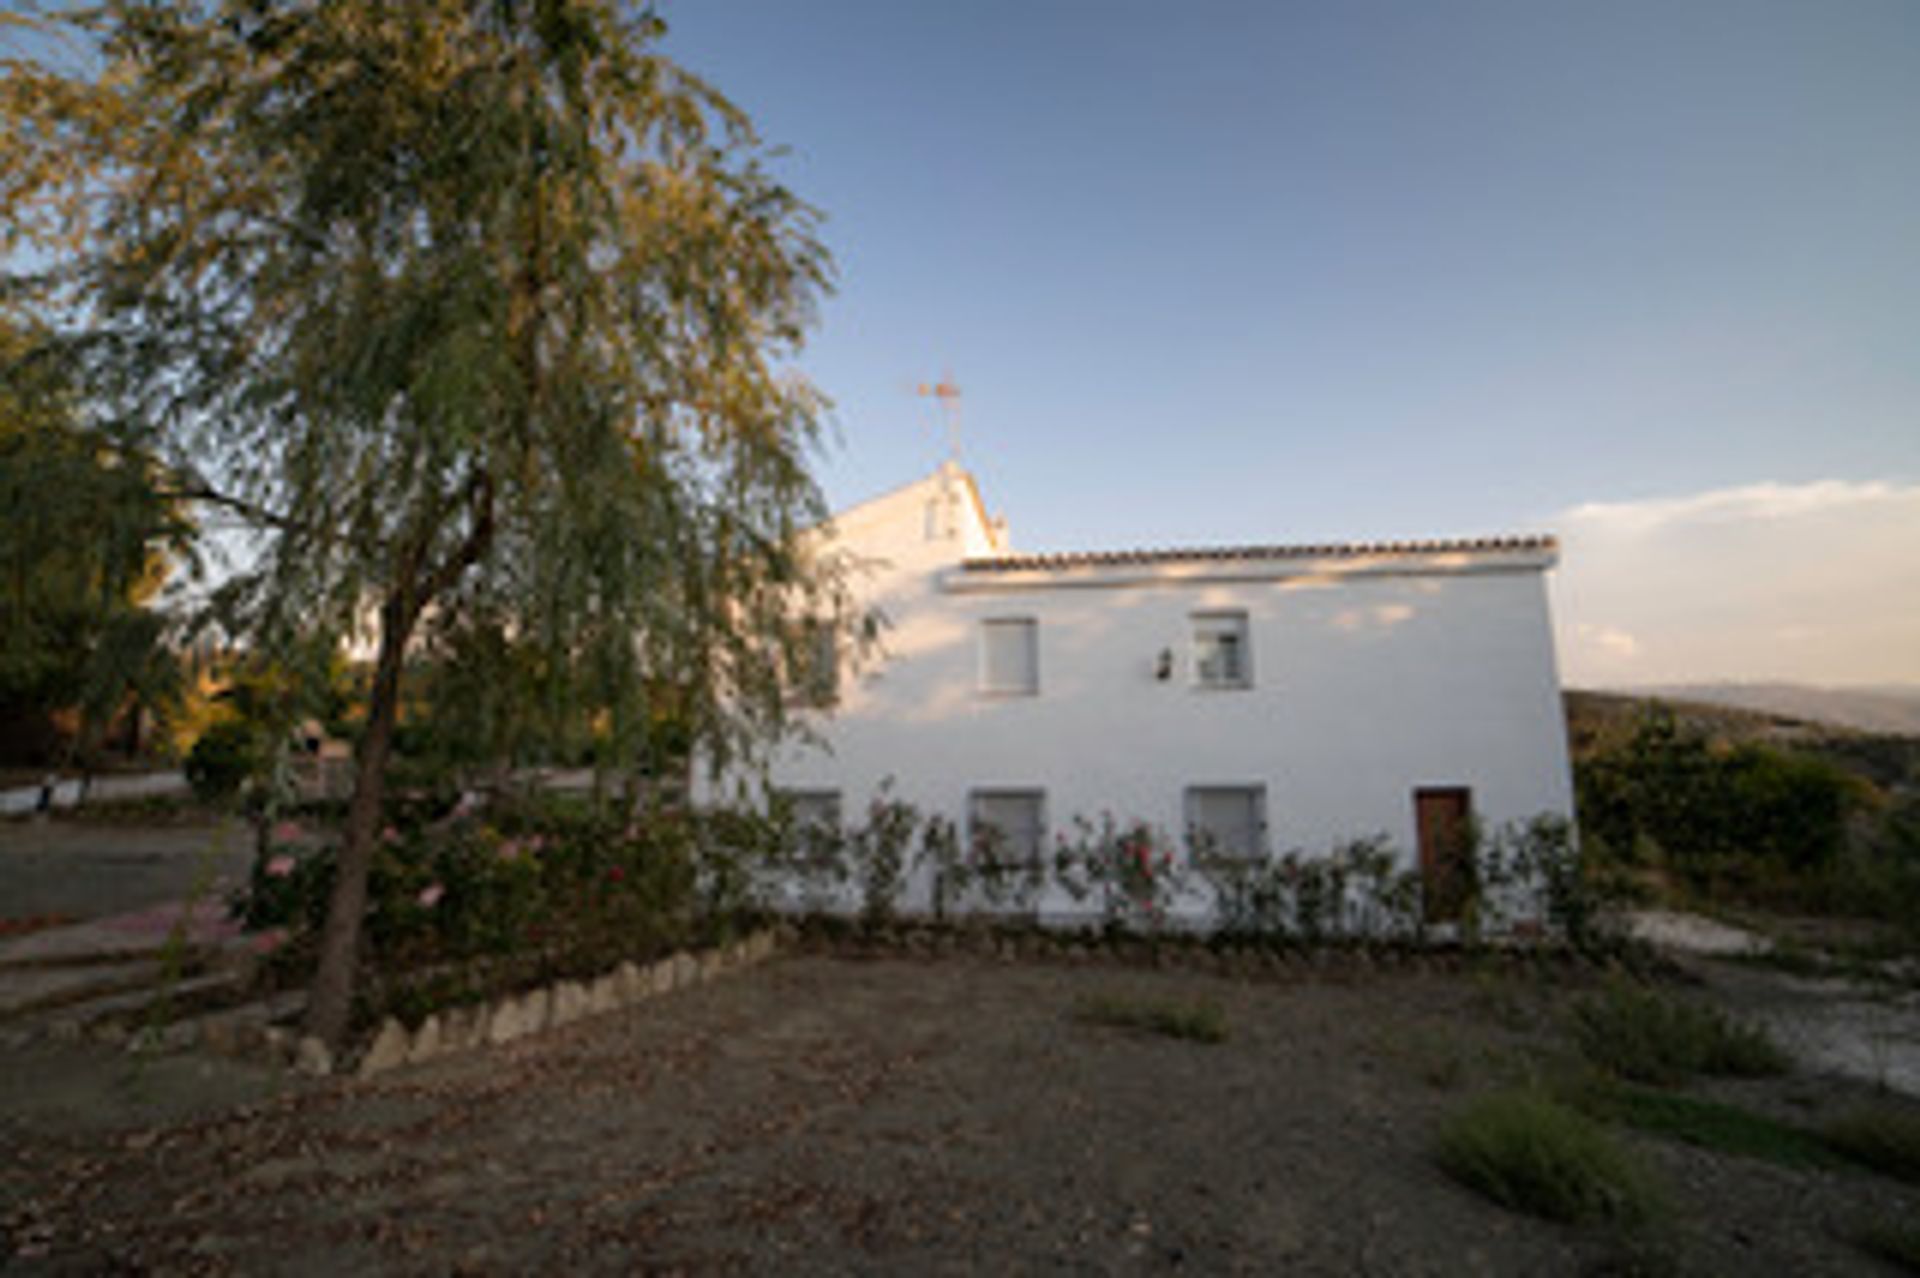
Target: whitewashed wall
1371, 677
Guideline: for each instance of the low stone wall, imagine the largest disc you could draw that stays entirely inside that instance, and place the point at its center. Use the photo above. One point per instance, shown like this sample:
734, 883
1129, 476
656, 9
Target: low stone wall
536, 1011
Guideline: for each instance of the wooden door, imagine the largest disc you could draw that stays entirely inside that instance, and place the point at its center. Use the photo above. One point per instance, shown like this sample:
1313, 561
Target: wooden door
1442, 815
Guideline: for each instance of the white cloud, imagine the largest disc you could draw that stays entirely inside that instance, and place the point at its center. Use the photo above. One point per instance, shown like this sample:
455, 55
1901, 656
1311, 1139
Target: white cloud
1816, 583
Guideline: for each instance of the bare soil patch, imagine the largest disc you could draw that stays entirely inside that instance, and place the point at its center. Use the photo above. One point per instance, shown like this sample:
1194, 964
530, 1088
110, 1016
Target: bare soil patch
947, 1116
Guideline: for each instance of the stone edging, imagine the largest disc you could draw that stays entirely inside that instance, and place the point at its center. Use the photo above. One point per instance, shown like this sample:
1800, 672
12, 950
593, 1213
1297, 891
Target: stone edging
536, 1011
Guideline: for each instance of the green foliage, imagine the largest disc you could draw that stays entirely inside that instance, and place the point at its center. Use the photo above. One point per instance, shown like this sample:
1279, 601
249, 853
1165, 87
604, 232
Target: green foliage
1642, 1035
1355, 890
226, 755
571, 883
1192, 1021
1882, 1137
1535, 1155
1712, 811
87, 542
1708, 1124
500, 342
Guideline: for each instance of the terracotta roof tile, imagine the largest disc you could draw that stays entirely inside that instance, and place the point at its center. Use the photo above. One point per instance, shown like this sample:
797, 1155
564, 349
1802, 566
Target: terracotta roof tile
1218, 554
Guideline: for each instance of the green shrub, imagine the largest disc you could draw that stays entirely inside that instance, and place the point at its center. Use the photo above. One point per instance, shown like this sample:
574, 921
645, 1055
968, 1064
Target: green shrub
1881, 1137
1647, 1037
1720, 815
220, 762
1535, 1155
1198, 1022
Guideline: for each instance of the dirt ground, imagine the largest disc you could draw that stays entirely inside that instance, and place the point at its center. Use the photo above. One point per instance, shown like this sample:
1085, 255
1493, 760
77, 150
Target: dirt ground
825, 1115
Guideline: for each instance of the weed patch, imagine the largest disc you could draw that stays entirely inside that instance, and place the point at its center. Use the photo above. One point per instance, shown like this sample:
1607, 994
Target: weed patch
1198, 1022
1646, 1037
1880, 1137
1707, 1124
1533, 1154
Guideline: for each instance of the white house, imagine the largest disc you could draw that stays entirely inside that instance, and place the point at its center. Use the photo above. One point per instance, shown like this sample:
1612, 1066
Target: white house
1273, 697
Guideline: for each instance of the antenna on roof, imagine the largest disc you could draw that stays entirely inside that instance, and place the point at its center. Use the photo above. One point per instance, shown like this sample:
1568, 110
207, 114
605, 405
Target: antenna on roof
947, 392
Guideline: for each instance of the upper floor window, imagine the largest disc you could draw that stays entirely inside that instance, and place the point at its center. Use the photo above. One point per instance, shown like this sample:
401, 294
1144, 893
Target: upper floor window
815, 811
1222, 655
1010, 656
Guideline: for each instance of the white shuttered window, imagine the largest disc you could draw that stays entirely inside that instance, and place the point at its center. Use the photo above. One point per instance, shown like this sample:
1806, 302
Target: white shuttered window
1227, 820
1221, 653
1010, 656
1011, 825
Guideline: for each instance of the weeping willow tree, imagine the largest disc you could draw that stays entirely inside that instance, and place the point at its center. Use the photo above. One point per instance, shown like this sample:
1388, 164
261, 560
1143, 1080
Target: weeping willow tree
479, 312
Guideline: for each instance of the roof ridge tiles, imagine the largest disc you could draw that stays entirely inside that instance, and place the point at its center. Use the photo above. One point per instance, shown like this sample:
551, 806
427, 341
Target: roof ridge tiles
1319, 550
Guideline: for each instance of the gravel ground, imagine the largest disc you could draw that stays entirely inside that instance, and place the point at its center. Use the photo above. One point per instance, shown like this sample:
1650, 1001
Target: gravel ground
832, 1116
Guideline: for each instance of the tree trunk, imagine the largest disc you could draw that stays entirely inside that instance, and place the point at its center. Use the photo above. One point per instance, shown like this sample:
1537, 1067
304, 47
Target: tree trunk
330, 1002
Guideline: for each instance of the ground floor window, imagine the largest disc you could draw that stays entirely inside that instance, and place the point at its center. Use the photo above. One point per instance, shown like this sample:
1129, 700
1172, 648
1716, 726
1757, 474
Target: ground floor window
1007, 827
1227, 820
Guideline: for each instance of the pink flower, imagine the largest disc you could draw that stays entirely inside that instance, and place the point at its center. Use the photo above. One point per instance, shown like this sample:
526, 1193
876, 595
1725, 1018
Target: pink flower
615, 874
269, 941
389, 835
279, 867
430, 895
287, 832
509, 850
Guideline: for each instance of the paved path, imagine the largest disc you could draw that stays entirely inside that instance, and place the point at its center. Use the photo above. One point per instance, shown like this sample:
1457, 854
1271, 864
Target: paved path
85, 870
66, 793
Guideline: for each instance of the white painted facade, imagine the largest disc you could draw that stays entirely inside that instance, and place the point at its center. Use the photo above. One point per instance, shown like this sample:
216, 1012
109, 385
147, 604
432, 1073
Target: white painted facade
1372, 672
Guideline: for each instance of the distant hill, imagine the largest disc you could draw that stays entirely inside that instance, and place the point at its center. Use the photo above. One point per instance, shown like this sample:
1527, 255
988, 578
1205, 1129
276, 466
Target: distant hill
1598, 720
1891, 710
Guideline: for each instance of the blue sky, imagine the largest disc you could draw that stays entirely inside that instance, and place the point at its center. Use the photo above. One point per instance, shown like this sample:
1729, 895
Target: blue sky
1271, 272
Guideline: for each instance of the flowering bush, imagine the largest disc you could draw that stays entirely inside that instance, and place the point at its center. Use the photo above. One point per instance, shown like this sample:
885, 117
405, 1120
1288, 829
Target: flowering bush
1005, 880
1130, 871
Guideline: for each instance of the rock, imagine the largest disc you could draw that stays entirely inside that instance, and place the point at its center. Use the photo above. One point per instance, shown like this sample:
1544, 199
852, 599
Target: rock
426, 1042
630, 983
462, 1028
710, 965
603, 995
313, 1057
660, 977
569, 1003
536, 1011
504, 1022
387, 1051
686, 970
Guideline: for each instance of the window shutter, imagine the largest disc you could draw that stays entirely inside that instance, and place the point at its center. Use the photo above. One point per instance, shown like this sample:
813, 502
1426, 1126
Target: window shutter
1010, 656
